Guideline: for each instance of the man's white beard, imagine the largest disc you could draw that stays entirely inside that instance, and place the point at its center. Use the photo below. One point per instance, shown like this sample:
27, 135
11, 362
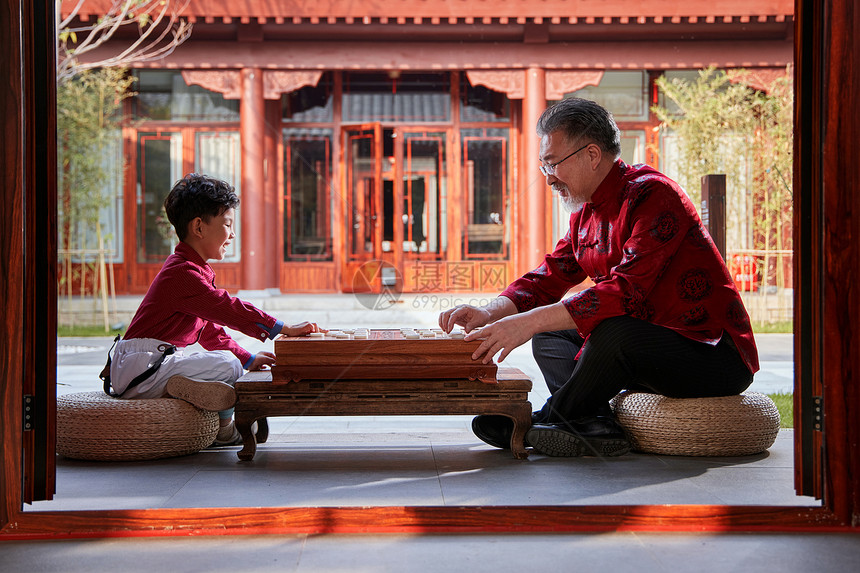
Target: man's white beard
571, 204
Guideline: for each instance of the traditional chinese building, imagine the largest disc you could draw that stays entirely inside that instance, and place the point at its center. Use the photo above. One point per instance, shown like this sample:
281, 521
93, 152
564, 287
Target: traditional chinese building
392, 143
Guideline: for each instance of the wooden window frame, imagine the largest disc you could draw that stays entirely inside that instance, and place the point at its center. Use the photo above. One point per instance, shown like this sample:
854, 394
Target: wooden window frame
286, 197
469, 196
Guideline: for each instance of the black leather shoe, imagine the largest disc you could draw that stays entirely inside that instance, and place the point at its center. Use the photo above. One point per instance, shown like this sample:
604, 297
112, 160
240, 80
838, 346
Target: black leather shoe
494, 429
594, 436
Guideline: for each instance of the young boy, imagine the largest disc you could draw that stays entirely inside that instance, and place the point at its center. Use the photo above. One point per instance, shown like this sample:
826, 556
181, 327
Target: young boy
183, 306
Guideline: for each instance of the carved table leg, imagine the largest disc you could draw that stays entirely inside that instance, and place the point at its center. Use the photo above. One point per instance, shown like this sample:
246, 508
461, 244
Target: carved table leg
249, 441
522, 423
262, 430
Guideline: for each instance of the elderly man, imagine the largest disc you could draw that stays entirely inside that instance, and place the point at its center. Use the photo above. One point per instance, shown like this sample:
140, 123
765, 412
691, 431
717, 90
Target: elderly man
662, 315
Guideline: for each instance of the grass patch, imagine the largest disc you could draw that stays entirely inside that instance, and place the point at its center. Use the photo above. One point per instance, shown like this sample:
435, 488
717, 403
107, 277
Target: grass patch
785, 404
785, 326
86, 331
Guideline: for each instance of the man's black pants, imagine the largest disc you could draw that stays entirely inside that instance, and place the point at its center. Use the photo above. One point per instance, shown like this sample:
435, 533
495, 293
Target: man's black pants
628, 353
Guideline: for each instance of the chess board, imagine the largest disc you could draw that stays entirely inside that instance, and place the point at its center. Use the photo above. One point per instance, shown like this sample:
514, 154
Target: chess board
380, 354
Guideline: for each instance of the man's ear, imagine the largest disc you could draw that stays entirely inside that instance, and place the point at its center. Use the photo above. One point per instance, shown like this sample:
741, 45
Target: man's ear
595, 155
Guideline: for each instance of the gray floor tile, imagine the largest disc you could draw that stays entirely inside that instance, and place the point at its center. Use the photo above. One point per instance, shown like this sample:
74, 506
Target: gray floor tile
619, 552
734, 483
148, 555
755, 553
433, 465
85, 485
631, 479
324, 476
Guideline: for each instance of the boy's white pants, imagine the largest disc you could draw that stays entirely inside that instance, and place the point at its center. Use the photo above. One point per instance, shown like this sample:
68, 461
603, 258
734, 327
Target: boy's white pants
132, 357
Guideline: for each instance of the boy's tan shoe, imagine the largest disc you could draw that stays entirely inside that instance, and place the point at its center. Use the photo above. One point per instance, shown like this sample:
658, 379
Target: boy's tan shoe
205, 394
229, 435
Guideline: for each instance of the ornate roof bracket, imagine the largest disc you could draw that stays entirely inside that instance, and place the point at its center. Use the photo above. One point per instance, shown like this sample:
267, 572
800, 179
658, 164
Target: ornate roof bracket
229, 82
760, 79
560, 82
510, 82
277, 82
225, 82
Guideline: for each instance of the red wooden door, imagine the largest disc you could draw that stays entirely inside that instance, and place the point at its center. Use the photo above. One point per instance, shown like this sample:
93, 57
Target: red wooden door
363, 269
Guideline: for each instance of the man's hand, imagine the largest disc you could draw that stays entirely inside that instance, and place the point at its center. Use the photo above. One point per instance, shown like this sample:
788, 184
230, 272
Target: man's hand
508, 332
502, 336
301, 329
465, 315
262, 361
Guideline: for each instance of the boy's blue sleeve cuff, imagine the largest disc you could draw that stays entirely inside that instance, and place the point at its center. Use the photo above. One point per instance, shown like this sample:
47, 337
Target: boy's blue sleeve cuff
275, 330
250, 361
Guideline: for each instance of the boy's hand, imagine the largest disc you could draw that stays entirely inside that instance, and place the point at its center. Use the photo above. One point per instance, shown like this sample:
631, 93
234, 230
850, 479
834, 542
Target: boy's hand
301, 329
262, 361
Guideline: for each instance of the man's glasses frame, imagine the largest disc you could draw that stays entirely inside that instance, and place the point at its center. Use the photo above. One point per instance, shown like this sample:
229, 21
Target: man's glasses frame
548, 170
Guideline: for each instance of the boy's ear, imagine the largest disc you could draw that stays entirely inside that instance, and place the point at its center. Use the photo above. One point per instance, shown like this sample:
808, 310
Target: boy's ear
195, 227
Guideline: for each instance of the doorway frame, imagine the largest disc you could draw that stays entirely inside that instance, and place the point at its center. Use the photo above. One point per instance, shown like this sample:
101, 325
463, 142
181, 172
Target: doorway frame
826, 130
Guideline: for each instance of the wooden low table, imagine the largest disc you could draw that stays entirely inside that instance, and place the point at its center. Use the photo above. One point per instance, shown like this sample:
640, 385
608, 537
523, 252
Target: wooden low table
383, 353
260, 397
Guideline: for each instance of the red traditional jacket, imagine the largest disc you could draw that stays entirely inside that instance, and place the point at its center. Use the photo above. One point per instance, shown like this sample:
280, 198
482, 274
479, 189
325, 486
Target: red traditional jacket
642, 243
183, 306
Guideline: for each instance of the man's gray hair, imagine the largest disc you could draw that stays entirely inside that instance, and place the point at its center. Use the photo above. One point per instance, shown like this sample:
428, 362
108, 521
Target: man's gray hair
581, 120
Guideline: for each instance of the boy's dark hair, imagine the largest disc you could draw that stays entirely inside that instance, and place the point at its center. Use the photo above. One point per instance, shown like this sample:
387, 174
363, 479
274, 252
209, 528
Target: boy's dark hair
582, 120
195, 196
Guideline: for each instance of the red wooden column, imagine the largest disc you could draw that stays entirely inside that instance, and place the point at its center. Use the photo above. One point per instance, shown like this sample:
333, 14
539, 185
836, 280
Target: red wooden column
275, 83
533, 189
273, 242
252, 125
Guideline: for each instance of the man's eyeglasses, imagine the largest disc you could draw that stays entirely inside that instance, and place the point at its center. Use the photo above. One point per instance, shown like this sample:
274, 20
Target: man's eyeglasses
548, 170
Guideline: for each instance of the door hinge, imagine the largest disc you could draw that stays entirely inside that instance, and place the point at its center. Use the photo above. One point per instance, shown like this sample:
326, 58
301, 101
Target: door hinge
817, 413
28, 412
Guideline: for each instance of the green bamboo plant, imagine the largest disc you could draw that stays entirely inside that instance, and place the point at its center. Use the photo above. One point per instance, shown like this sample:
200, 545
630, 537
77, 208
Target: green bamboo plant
722, 125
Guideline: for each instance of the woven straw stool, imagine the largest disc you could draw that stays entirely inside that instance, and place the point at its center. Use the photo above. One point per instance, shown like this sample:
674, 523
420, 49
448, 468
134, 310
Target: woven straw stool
94, 426
724, 426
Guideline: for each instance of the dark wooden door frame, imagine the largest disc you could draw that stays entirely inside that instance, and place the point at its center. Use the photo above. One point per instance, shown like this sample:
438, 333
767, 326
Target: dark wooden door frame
827, 232
828, 344
28, 240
